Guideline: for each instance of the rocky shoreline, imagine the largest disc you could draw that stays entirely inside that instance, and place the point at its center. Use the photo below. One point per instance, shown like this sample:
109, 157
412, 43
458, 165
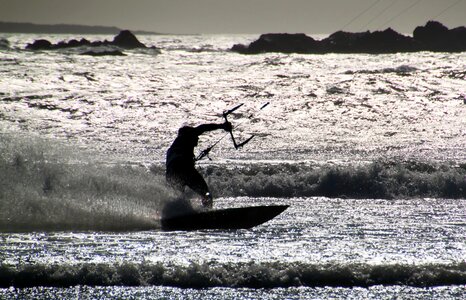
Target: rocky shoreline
434, 36
124, 40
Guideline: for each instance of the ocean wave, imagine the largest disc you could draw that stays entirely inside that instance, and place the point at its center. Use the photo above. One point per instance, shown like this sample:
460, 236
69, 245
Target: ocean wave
400, 70
4, 43
381, 179
195, 49
49, 187
245, 274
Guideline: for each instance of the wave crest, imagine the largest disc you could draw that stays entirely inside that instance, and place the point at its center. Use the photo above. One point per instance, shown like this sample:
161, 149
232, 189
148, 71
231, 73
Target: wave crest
381, 179
247, 274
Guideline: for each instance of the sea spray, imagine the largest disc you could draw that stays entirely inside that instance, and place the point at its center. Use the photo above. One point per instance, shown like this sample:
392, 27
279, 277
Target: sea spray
43, 186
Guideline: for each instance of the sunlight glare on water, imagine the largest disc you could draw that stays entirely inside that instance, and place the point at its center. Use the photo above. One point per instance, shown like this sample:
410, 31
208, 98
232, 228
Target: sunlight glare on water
324, 107
323, 230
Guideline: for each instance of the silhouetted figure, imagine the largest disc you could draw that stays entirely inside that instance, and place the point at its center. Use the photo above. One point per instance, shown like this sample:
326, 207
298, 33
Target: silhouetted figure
180, 160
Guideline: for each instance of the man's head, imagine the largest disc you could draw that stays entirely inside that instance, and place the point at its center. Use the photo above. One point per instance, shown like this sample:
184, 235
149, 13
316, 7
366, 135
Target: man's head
187, 133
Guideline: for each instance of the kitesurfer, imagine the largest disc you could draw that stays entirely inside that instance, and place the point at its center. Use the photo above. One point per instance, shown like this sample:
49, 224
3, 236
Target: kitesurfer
180, 169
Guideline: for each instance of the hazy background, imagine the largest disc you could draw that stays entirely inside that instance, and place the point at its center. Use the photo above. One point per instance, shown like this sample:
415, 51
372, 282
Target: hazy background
238, 16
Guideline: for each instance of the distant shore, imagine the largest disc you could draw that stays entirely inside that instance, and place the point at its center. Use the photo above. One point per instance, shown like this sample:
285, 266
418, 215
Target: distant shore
434, 36
11, 27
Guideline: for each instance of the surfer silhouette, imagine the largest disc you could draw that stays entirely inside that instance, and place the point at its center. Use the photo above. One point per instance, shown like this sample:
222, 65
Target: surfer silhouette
180, 161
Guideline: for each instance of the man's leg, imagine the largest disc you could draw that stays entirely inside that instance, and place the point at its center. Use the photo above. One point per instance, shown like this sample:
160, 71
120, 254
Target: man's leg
198, 184
176, 181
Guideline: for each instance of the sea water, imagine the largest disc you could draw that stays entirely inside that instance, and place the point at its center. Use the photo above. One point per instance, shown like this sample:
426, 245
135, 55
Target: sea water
368, 151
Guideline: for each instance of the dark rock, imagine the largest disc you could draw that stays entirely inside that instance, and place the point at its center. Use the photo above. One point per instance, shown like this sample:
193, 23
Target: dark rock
277, 42
387, 41
40, 45
343, 42
240, 48
125, 39
433, 37
437, 37
84, 41
432, 30
459, 33
60, 45
74, 43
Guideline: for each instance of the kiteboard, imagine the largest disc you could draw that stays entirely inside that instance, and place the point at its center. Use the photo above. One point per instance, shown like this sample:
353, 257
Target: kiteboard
225, 219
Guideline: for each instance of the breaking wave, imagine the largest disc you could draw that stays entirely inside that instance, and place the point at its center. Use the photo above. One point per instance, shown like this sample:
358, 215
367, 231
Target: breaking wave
247, 274
195, 49
380, 179
47, 187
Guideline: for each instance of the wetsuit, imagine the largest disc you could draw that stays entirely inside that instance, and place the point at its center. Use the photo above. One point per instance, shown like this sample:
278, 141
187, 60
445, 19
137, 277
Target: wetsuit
180, 161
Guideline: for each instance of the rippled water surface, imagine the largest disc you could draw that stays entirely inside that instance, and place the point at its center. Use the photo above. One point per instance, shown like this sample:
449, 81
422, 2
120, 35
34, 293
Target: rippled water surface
323, 107
312, 230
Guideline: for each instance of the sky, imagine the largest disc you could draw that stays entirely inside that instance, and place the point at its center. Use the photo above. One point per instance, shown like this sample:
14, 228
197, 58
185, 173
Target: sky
239, 16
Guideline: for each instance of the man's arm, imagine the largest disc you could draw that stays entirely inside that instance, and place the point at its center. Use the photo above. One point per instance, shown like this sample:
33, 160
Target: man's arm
212, 126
